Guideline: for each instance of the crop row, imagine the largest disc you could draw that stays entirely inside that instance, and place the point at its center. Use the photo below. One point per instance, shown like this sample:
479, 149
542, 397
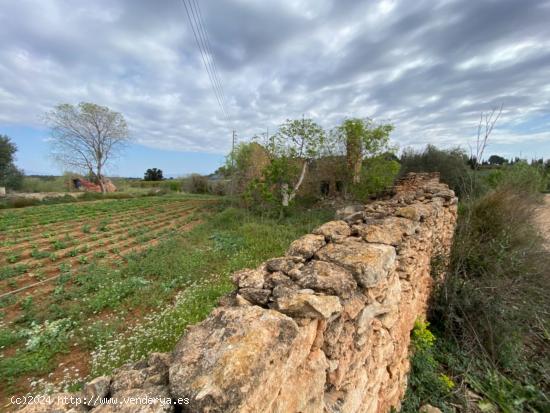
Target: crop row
39, 259
21, 220
114, 249
54, 239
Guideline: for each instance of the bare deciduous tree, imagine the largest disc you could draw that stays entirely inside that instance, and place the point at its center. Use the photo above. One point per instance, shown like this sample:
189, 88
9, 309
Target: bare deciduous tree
487, 122
87, 137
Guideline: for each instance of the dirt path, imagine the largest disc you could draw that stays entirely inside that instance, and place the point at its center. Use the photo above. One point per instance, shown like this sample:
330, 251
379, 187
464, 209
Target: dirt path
543, 220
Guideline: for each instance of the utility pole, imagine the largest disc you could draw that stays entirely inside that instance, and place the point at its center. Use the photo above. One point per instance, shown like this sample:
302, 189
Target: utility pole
233, 143
233, 149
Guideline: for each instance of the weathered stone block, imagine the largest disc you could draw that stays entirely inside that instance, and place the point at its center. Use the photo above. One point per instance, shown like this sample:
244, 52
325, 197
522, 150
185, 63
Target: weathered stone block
327, 278
306, 305
389, 231
95, 390
369, 263
249, 278
334, 230
306, 246
223, 364
258, 296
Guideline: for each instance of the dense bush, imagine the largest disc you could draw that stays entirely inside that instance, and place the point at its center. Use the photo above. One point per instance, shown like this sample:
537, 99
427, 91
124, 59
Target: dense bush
45, 183
377, 175
452, 164
219, 187
196, 184
519, 177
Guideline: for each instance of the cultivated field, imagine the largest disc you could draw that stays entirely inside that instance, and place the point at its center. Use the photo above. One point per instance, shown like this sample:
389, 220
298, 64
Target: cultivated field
39, 244
61, 265
88, 286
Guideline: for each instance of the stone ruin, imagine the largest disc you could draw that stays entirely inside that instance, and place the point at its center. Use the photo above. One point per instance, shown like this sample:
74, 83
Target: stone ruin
326, 328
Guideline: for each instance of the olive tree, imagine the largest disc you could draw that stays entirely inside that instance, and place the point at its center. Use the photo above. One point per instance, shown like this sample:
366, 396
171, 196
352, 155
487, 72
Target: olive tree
297, 143
87, 137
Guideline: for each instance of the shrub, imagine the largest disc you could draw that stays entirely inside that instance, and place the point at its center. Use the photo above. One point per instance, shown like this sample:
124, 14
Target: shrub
153, 174
44, 183
450, 163
197, 184
219, 187
426, 383
18, 202
377, 175
520, 177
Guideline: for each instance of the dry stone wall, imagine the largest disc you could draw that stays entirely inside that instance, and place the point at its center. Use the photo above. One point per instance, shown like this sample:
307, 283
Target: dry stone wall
323, 329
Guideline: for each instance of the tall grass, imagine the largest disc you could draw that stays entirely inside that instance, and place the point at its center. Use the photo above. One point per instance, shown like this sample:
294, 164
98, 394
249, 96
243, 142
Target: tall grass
491, 312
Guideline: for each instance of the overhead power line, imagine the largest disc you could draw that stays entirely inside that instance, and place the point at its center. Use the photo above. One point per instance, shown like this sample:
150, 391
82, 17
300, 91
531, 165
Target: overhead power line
206, 37
200, 33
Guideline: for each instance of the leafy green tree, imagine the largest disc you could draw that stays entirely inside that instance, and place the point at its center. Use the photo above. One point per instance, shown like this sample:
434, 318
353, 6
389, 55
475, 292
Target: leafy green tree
497, 160
153, 174
10, 176
87, 137
297, 143
361, 138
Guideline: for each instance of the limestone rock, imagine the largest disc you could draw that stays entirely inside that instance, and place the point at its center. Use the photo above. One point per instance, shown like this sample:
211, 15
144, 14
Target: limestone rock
223, 364
389, 231
258, 296
369, 263
278, 279
327, 278
249, 278
283, 264
306, 246
126, 379
355, 218
334, 230
348, 210
415, 212
96, 389
354, 305
368, 314
310, 379
283, 291
307, 305
241, 301
159, 361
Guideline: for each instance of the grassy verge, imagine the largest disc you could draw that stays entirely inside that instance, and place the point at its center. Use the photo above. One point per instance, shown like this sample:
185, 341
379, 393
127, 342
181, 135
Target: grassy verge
144, 303
490, 317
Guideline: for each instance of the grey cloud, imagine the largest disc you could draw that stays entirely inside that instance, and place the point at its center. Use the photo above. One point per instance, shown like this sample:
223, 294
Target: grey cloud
424, 65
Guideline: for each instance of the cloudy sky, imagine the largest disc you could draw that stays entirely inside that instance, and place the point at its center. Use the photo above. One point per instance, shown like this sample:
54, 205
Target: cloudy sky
430, 67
